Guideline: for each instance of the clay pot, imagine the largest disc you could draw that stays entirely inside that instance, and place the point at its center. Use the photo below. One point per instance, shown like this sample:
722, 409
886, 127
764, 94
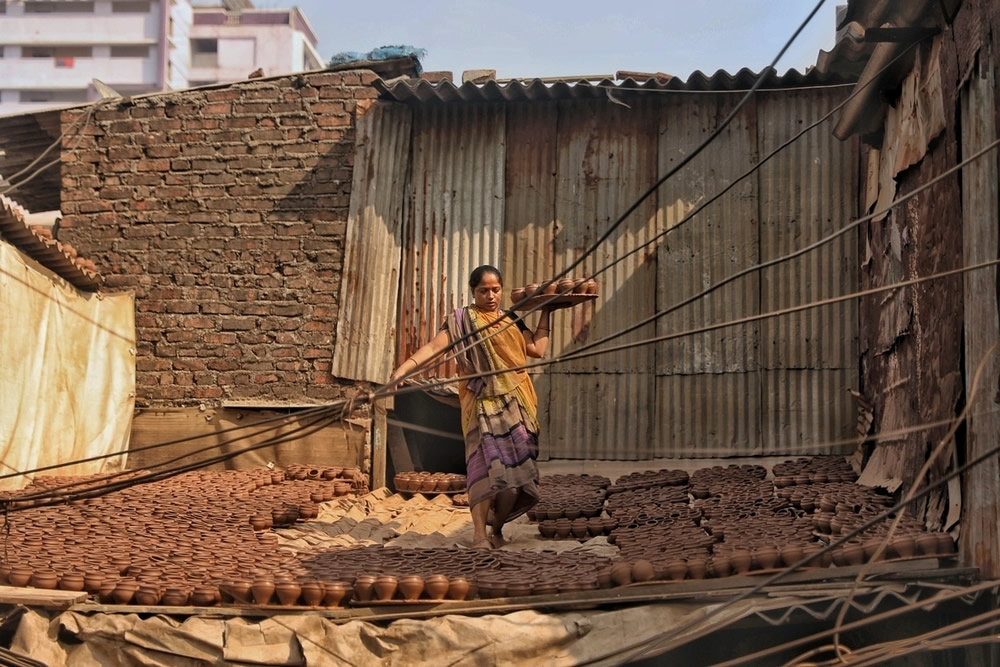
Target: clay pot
288, 592
791, 554
853, 553
204, 596
927, 544
677, 569
47, 579
517, 295
621, 574
436, 586
765, 558
73, 581
260, 522
240, 590
363, 587
312, 593
530, 290
106, 594
124, 592
579, 286
333, 593
697, 567
642, 570
518, 589
565, 286
945, 544
385, 587
547, 528
604, 577
458, 588
20, 575
563, 529
92, 582
740, 560
174, 597
147, 595
411, 586
262, 590
590, 287
904, 546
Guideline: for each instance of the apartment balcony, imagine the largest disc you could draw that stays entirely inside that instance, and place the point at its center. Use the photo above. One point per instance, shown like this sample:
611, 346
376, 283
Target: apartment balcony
79, 29
55, 73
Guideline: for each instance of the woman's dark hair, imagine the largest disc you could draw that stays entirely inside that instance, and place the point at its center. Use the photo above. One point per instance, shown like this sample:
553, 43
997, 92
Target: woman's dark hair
477, 275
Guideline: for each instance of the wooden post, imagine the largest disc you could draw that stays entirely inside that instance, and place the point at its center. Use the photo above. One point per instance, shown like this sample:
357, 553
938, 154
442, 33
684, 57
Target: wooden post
379, 434
980, 538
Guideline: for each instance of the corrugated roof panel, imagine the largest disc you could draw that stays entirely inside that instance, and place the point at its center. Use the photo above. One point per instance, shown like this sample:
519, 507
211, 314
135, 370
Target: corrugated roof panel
47, 252
708, 415
805, 407
516, 90
366, 325
455, 222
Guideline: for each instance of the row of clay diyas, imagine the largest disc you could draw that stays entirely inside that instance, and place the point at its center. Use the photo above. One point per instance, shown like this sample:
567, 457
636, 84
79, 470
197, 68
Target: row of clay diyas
563, 286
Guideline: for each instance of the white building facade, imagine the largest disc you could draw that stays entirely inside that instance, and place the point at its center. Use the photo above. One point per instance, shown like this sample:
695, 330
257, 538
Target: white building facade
228, 45
52, 50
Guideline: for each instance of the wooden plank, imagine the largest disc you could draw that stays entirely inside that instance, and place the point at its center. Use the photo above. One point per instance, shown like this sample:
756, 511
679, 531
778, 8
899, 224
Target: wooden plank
39, 597
923, 569
379, 436
338, 444
980, 539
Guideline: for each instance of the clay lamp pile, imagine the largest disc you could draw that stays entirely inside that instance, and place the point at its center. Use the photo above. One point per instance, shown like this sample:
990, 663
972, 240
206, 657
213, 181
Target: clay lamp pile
813, 470
184, 540
562, 286
657, 501
384, 574
569, 497
663, 541
428, 482
649, 479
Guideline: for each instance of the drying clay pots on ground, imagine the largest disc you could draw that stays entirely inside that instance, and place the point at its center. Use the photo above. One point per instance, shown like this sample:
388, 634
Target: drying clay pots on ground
200, 538
428, 482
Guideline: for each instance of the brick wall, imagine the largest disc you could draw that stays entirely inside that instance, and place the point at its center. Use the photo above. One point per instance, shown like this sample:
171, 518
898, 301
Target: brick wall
224, 210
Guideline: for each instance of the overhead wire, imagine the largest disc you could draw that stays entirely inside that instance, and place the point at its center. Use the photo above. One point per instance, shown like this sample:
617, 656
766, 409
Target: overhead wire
859, 88
942, 443
683, 162
643, 648
689, 216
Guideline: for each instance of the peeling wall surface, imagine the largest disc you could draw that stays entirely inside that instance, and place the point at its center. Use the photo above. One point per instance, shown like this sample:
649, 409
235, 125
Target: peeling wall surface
914, 365
530, 186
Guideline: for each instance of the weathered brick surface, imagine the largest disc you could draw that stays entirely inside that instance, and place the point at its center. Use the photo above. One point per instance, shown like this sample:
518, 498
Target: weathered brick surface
224, 211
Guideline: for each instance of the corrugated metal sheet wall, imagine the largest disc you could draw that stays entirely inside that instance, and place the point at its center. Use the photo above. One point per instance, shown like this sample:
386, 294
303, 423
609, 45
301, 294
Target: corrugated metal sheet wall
455, 218
571, 168
365, 334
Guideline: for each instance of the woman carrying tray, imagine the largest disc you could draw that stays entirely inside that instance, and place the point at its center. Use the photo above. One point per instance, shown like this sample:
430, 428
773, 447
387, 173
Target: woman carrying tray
499, 412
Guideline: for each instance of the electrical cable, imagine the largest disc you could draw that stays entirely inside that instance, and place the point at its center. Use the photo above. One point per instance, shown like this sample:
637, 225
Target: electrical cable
177, 441
698, 330
646, 646
54, 491
673, 170
945, 439
58, 142
21, 503
684, 220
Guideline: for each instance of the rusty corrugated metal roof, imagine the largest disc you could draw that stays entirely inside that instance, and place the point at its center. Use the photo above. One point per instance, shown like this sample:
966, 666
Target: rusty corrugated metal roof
520, 90
47, 252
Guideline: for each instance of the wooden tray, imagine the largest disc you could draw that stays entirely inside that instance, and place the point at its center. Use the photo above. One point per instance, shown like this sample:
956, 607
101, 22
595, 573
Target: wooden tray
557, 301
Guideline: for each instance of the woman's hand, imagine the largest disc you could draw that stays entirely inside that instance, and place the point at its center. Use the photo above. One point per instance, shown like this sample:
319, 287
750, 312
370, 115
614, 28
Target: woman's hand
421, 356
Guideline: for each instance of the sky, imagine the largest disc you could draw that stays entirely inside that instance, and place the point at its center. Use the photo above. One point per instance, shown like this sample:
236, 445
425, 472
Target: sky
526, 39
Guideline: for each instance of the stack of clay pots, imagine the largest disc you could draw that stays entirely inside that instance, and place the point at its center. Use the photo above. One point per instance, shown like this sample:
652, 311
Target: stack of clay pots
812, 470
558, 287
569, 497
429, 482
649, 479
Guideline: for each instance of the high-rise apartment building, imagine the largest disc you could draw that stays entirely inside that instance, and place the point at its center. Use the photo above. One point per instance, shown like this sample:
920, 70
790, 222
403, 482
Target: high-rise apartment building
52, 50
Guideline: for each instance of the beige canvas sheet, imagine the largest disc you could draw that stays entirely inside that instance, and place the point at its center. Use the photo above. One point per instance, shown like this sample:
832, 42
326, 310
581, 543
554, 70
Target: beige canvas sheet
67, 371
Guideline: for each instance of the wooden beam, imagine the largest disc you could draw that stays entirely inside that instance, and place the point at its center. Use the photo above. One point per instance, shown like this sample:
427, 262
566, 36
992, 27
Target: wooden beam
379, 436
40, 597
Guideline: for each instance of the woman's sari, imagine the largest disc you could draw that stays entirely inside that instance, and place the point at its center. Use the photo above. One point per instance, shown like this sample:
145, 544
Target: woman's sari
499, 412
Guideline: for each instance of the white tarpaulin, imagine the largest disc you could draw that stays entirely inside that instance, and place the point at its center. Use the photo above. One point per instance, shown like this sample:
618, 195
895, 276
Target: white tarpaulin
67, 371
